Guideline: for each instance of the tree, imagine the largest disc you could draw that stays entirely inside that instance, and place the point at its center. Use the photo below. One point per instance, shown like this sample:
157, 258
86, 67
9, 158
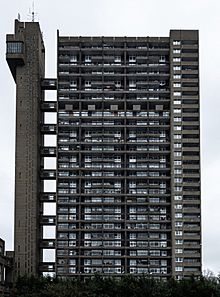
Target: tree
126, 286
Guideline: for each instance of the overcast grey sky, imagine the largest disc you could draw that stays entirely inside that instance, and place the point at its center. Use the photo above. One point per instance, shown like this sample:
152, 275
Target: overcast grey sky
131, 18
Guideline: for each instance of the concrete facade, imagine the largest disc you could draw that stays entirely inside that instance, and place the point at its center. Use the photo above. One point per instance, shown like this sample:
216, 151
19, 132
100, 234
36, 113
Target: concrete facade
25, 56
127, 154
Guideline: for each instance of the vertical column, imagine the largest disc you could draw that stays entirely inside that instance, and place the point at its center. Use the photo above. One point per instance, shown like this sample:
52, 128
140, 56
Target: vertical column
25, 56
185, 153
48, 177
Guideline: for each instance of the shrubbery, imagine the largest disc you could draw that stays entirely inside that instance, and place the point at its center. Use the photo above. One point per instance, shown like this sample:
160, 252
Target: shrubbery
128, 286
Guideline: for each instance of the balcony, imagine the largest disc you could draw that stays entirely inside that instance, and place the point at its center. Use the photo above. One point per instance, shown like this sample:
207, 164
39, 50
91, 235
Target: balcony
48, 151
49, 106
48, 129
48, 174
49, 84
48, 197
48, 220
48, 244
47, 267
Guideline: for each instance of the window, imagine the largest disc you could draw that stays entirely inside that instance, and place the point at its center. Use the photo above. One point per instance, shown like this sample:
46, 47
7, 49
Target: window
178, 215
176, 102
177, 145
178, 171
177, 94
177, 76
88, 59
177, 128
190, 42
133, 262
176, 68
177, 119
117, 59
178, 224
72, 270
177, 197
14, 47
87, 85
73, 83
132, 59
178, 260
176, 42
133, 270
191, 269
72, 262
178, 241
73, 59
178, 268
176, 51
178, 251
177, 85
118, 84
177, 136
177, 110
178, 233
132, 84
177, 154
176, 59
177, 180
178, 189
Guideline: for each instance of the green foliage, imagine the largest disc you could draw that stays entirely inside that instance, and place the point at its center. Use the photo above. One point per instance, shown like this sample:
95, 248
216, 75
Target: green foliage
127, 286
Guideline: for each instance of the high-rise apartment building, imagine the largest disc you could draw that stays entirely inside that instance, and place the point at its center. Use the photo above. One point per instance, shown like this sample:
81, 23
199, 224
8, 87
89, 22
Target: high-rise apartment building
126, 180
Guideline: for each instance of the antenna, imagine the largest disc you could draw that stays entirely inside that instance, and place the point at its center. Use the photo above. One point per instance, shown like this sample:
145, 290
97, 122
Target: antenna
33, 13
19, 17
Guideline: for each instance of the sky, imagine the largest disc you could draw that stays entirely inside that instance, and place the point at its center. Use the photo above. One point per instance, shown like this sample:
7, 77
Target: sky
121, 18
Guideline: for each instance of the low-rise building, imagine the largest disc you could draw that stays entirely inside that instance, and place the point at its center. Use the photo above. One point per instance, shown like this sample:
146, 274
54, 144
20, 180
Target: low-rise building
6, 264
